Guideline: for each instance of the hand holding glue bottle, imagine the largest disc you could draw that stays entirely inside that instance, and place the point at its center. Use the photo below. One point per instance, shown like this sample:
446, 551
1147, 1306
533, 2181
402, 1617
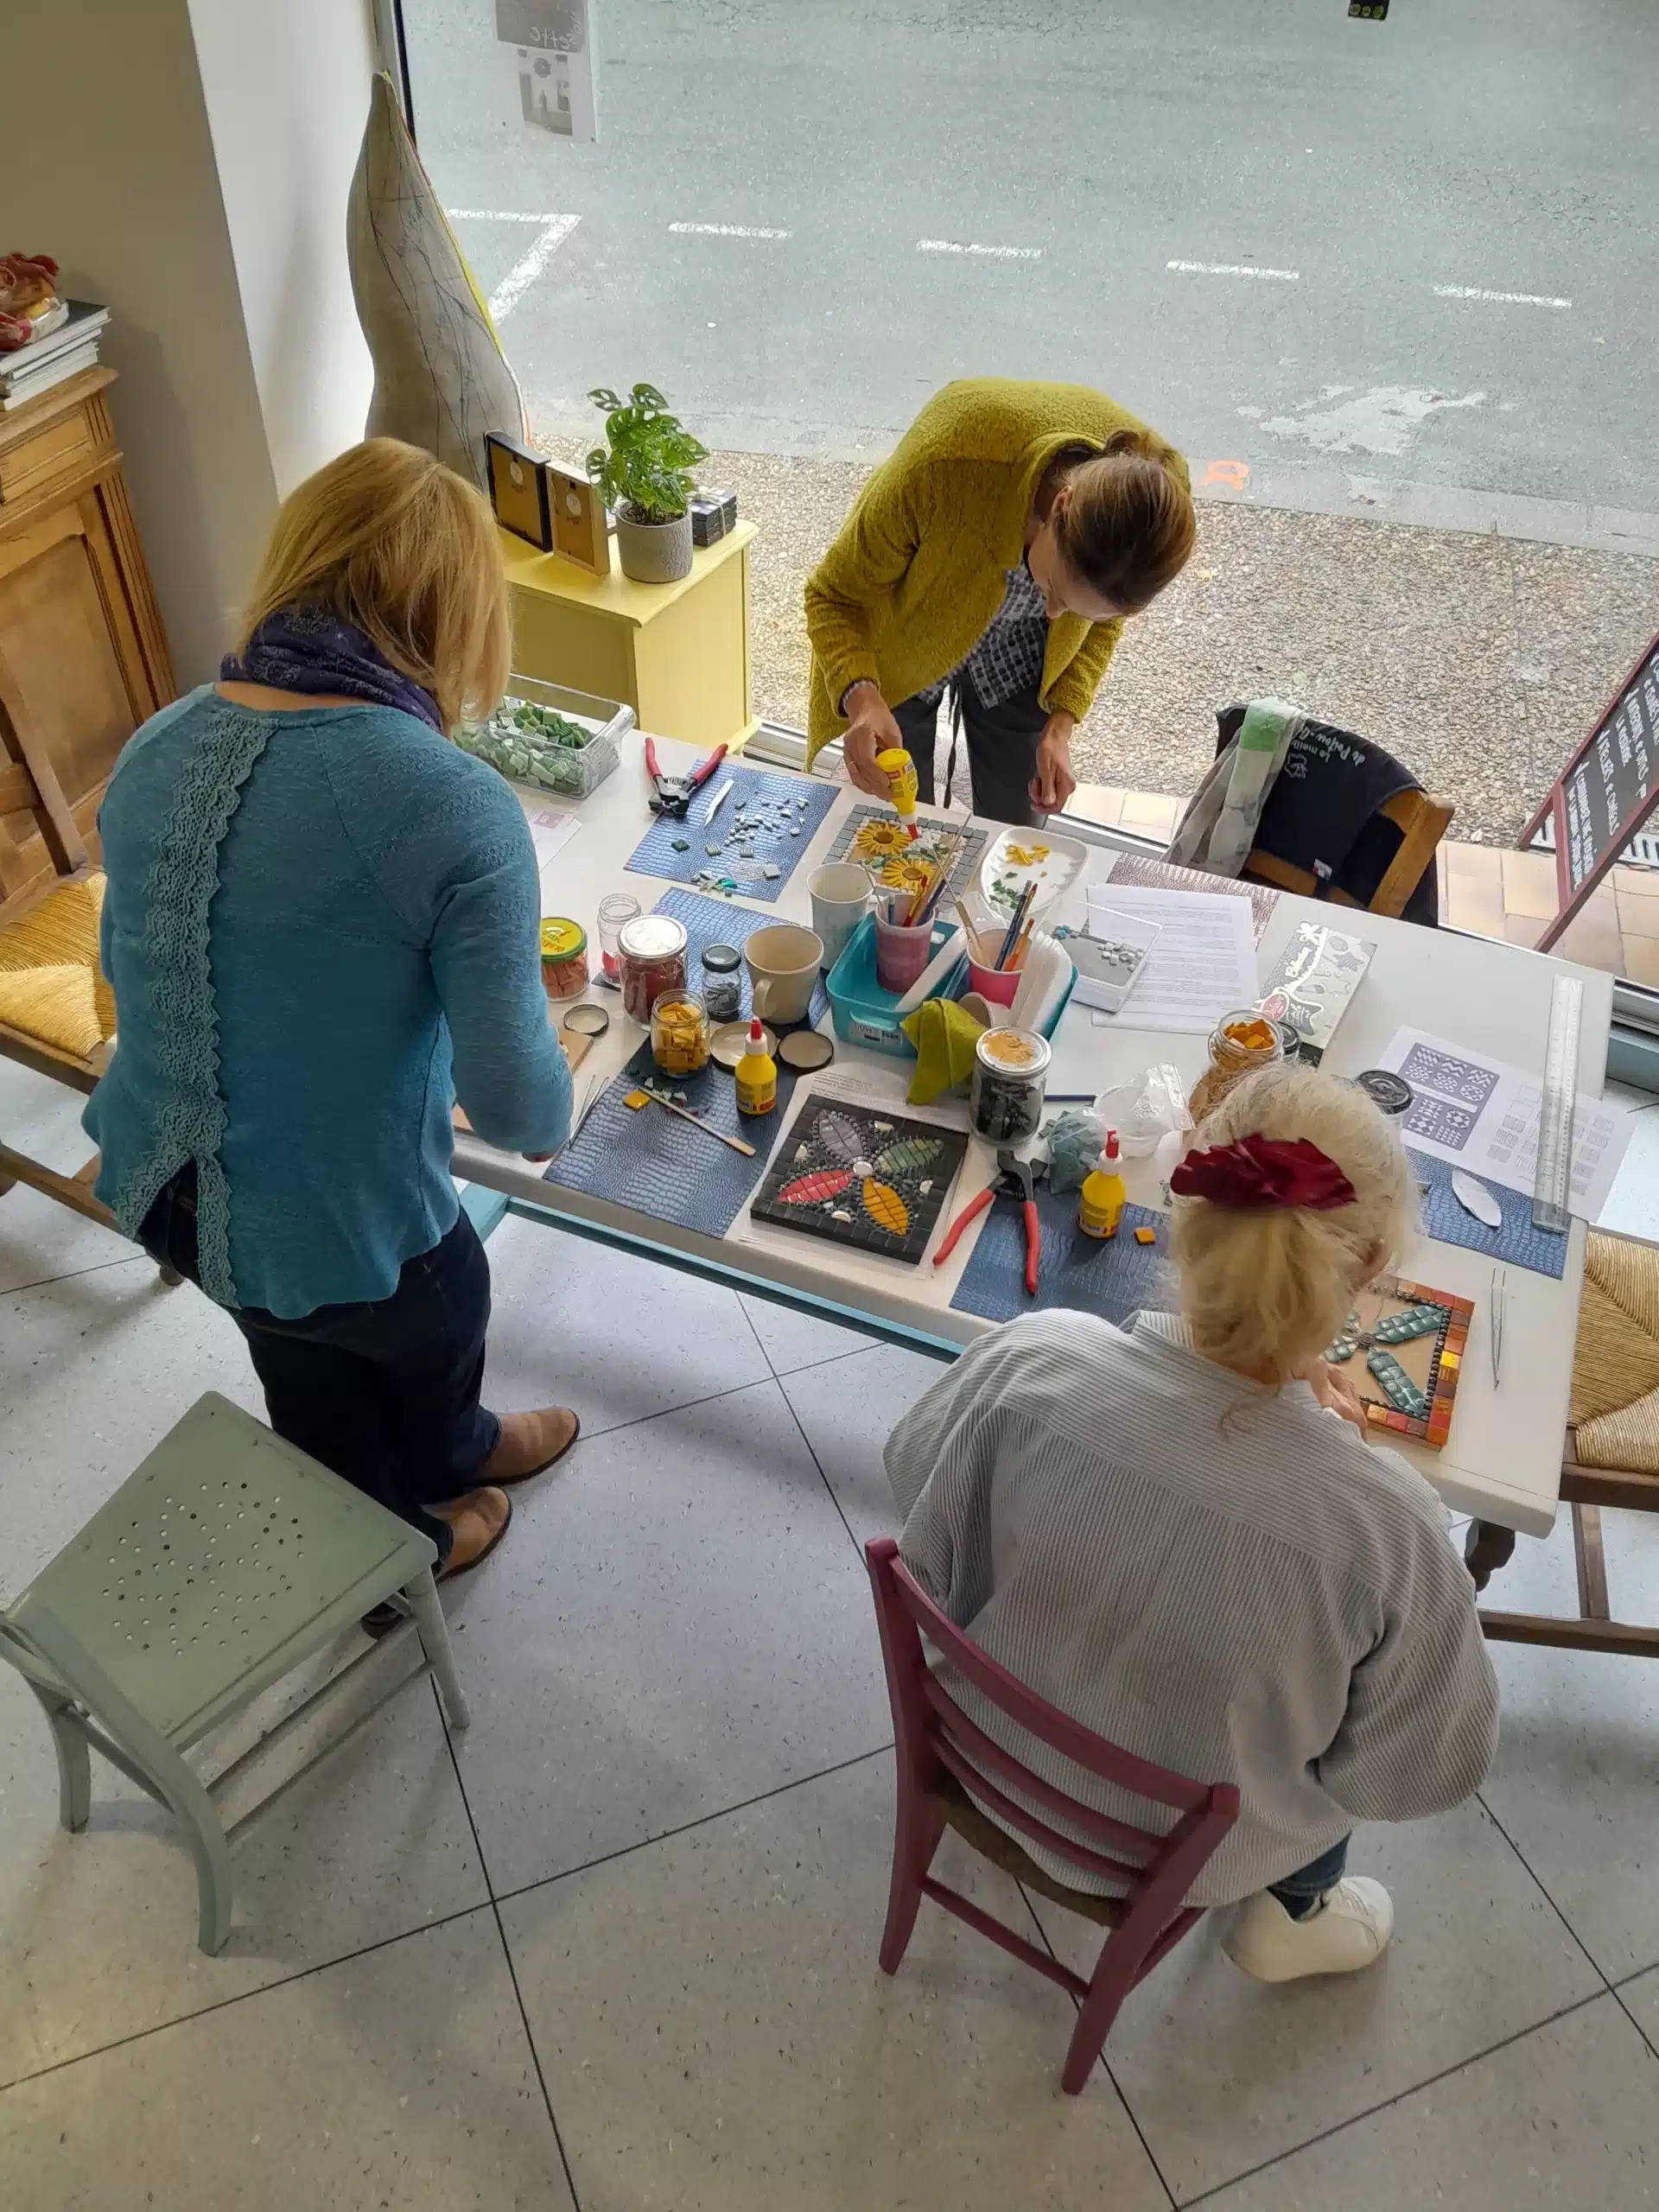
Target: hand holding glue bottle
873, 747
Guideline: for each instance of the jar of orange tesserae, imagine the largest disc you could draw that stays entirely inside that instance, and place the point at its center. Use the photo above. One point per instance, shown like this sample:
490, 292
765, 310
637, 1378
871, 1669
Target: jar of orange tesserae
564, 957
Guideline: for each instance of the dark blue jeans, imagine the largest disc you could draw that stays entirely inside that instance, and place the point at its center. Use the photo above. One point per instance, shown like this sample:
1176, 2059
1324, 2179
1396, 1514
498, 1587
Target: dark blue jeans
385, 1393
1299, 1892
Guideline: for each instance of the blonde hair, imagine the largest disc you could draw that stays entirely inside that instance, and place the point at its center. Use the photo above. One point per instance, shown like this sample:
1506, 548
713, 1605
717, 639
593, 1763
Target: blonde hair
1127, 525
387, 539
1264, 1291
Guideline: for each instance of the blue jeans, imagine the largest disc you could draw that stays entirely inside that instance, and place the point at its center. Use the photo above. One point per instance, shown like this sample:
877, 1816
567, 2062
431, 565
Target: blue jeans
1299, 1892
385, 1393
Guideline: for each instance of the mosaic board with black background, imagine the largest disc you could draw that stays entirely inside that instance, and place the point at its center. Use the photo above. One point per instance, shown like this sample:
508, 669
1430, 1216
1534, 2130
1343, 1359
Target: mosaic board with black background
766, 820
875, 835
857, 1175
1402, 1349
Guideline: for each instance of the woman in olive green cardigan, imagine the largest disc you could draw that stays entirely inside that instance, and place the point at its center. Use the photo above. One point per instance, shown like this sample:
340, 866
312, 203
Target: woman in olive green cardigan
995, 555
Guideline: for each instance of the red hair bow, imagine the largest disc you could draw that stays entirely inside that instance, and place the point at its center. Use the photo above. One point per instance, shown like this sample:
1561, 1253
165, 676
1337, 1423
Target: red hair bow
1261, 1172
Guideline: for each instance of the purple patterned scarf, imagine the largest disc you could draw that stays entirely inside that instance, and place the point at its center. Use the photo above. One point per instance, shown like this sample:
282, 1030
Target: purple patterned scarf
307, 649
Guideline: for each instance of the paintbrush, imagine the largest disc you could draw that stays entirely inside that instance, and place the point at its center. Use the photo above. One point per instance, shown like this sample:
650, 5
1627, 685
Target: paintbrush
1016, 922
697, 1122
971, 934
1017, 957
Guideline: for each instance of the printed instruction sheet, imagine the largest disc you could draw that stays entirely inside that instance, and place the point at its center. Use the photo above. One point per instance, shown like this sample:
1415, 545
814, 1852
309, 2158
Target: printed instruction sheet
1484, 1115
1202, 964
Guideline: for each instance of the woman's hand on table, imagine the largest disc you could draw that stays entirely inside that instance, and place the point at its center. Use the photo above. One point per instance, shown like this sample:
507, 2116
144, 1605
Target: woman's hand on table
1054, 783
870, 729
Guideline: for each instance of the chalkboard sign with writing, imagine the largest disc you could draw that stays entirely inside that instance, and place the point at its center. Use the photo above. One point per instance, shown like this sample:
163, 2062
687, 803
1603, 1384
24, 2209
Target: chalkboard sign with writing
1606, 792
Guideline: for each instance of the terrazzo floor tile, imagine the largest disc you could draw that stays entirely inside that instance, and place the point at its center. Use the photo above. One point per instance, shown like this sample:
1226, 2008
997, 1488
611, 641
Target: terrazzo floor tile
618, 1338
39, 1238
1565, 2120
97, 1931
402, 2078
1576, 1780
1221, 2072
793, 1340
847, 1410
94, 1370
676, 1623
717, 2036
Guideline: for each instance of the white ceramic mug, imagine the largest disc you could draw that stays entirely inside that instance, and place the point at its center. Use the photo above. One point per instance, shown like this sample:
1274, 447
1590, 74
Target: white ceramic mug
782, 964
840, 898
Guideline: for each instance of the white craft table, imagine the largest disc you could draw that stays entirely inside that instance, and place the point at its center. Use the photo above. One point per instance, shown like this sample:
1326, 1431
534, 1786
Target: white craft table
1502, 1462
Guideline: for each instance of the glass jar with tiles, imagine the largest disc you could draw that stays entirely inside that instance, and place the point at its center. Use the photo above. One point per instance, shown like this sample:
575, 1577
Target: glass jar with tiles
1240, 1043
679, 1033
649, 962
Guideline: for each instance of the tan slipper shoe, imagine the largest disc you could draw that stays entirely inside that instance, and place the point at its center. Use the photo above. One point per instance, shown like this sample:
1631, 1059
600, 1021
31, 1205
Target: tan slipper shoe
530, 1443
480, 1521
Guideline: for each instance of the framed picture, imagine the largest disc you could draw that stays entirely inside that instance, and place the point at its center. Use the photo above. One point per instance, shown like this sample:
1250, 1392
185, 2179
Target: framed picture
580, 530
518, 490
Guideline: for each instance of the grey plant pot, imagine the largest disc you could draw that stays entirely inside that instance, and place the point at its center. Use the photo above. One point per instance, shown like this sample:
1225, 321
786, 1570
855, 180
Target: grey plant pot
654, 552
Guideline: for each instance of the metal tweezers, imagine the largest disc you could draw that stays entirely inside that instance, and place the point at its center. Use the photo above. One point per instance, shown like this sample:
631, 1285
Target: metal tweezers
1495, 1325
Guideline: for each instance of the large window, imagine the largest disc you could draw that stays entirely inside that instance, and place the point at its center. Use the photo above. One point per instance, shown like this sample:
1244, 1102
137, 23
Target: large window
1362, 273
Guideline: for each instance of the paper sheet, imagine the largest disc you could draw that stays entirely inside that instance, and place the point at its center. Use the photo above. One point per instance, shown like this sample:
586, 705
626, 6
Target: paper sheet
551, 828
1483, 1114
1202, 966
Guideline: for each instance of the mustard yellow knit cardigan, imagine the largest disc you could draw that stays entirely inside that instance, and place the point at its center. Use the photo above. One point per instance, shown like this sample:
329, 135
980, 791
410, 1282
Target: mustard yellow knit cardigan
921, 563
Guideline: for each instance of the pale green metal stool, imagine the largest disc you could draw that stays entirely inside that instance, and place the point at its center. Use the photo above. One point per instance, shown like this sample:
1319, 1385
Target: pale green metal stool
225, 1560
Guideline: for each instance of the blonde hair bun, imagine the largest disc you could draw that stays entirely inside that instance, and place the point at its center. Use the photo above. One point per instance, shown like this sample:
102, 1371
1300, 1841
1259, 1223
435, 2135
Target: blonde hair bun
1265, 1290
387, 539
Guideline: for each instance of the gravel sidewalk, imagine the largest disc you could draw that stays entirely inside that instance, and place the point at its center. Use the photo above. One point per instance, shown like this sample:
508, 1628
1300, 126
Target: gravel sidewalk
1479, 660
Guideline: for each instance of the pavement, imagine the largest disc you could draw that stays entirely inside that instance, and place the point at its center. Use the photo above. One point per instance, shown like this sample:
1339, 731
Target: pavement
1479, 660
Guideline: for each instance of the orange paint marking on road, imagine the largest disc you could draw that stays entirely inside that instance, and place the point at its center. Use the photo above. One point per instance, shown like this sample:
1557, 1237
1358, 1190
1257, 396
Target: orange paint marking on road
1235, 474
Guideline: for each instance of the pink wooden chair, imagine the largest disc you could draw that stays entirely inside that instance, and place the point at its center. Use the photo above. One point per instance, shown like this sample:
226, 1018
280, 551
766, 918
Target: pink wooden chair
943, 1757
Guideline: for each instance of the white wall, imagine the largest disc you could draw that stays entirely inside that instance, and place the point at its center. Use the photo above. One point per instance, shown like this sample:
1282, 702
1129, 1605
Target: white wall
185, 161
287, 91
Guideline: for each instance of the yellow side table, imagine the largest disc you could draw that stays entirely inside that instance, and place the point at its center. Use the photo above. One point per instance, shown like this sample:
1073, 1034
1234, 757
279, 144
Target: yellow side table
678, 653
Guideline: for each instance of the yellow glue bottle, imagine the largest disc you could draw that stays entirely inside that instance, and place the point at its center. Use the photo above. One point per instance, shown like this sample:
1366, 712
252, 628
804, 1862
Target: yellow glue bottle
1100, 1205
756, 1074
896, 765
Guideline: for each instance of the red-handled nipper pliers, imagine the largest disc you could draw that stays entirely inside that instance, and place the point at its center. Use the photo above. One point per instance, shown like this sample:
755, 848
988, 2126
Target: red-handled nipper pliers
672, 796
1017, 1180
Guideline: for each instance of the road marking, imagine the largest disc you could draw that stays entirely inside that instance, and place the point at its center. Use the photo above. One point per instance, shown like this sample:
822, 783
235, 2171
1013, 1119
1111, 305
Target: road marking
985, 253
494, 215
1500, 299
1235, 268
529, 266
728, 230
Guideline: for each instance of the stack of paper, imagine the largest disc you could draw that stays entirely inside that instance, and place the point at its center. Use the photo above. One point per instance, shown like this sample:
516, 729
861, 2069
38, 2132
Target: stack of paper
1202, 964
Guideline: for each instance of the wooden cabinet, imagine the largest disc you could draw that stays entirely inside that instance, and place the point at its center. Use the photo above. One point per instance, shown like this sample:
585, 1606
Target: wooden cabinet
83, 656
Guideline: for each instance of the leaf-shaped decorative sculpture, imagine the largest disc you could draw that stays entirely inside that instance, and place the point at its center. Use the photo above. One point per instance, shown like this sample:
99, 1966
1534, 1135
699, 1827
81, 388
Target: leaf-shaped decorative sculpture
839, 1136
909, 1155
812, 1190
886, 1208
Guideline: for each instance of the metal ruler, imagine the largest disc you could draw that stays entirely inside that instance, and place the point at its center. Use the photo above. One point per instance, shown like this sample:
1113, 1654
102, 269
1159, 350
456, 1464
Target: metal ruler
1553, 1179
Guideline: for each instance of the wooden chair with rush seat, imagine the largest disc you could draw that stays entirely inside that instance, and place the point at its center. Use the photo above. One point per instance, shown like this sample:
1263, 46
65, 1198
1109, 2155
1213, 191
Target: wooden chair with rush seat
1612, 1453
1382, 858
949, 1769
57, 1011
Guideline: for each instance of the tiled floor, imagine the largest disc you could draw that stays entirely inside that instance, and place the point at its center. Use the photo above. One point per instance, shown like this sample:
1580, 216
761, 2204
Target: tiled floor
614, 1948
1483, 889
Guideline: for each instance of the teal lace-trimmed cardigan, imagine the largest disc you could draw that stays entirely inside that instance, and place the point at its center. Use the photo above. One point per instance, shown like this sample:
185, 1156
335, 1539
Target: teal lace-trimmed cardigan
321, 928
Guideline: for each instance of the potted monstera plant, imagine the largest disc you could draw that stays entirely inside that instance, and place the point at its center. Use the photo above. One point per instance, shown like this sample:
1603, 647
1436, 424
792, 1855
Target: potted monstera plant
643, 472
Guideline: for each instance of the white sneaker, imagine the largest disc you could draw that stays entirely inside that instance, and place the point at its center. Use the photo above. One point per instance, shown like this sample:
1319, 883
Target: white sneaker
1348, 1929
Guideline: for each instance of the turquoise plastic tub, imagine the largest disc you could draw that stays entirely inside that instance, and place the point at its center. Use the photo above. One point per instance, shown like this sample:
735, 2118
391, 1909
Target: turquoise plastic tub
866, 1015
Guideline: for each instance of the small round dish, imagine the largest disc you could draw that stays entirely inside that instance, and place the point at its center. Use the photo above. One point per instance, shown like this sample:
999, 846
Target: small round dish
731, 1041
804, 1050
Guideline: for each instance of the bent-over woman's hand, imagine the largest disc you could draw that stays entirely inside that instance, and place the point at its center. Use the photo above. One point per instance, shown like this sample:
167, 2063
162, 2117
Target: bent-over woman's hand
870, 729
1337, 1394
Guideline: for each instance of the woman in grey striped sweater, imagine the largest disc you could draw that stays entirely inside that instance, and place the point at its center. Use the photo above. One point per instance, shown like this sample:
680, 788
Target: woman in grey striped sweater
1180, 1534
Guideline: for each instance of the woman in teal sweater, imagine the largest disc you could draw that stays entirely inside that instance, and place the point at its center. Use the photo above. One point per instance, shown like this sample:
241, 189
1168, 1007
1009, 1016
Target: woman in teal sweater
321, 928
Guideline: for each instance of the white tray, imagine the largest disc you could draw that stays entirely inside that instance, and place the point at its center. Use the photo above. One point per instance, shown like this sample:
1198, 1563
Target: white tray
1054, 863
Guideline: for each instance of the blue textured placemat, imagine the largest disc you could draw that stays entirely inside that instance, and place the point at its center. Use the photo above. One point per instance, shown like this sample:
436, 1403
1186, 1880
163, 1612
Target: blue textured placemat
1517, 1242
717, 921
779, 829
1112, 1276
660, 1165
